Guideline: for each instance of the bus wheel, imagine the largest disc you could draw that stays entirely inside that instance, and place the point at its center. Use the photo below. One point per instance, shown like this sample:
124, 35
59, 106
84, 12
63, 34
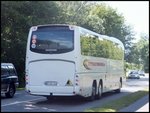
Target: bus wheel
99, 91
93, 95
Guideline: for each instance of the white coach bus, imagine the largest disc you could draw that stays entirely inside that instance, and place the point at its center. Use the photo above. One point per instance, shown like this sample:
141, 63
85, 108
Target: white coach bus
68, 60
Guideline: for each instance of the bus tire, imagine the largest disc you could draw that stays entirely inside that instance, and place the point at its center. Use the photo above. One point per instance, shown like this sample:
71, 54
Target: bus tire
99, 95
93, 93
118, 90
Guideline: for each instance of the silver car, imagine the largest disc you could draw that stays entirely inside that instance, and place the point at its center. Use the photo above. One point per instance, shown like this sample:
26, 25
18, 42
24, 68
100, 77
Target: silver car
134, 75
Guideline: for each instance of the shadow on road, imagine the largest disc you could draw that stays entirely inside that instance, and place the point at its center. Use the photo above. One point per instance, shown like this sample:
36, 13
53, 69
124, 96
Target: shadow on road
72, 100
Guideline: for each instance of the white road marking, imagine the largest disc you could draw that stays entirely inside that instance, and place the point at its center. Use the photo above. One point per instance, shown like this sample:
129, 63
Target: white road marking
18, 102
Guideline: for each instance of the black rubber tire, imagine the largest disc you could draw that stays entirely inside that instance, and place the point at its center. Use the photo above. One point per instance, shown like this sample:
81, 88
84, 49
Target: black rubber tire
11, 91
93, 93
99, 95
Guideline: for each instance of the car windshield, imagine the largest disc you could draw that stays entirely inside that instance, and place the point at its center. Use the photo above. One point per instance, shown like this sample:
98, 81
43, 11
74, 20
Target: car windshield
134, 72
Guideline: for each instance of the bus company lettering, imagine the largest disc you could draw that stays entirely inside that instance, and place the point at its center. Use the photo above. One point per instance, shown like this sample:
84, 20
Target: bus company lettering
88, 64
96, 64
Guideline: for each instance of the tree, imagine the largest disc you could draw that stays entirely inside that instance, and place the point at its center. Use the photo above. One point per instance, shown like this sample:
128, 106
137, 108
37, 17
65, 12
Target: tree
99, 18
139, 53
16, 19
73, 12
143, 45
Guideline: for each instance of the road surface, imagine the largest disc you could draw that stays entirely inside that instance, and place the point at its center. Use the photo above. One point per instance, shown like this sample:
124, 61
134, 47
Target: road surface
23, 102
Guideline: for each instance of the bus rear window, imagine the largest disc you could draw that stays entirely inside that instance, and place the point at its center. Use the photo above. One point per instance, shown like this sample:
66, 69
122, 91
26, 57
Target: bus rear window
52, 40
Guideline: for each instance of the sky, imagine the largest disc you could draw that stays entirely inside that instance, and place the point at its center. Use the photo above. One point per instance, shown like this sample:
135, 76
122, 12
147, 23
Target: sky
136, 14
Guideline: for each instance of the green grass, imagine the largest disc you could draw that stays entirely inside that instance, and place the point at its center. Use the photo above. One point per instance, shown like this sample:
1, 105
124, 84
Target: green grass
116, 105
18, 89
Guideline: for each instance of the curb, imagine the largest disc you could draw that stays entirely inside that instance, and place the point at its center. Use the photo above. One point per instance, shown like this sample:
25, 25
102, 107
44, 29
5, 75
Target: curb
141, 105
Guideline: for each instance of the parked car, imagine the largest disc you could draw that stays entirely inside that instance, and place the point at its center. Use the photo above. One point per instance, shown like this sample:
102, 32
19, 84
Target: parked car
141, 73
9, 79
134, 75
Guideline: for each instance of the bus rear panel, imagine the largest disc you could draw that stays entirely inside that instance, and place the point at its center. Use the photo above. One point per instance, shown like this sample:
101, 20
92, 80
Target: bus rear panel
50, 65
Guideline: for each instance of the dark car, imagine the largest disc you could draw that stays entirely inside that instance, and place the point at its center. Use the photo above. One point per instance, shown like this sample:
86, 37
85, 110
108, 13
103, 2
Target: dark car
9, 79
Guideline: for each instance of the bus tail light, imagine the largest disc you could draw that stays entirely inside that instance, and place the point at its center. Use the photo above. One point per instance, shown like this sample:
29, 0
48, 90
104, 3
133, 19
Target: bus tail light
26, 79
76, 80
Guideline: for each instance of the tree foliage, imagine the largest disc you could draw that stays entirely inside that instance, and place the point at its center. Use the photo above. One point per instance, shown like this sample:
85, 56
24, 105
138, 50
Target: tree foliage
17, 17
139, 53
100, 18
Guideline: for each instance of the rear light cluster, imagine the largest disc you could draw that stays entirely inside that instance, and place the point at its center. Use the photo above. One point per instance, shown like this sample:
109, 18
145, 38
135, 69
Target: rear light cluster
26, 79
76, 80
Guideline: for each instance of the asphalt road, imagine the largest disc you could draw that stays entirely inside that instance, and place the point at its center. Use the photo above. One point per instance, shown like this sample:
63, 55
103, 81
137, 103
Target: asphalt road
23, 102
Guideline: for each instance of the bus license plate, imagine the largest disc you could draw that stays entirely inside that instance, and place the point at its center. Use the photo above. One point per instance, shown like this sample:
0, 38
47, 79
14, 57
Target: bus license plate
51, 83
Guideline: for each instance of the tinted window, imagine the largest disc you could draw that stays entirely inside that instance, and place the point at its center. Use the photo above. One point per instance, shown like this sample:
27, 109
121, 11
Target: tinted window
4, 70
52, 40
12, 70
92, 45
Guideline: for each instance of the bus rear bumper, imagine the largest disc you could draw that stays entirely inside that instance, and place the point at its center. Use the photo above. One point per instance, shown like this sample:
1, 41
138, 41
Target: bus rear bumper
52, 91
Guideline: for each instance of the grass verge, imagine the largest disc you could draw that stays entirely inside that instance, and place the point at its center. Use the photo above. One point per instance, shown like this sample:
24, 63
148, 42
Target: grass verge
116, 105
18, 89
